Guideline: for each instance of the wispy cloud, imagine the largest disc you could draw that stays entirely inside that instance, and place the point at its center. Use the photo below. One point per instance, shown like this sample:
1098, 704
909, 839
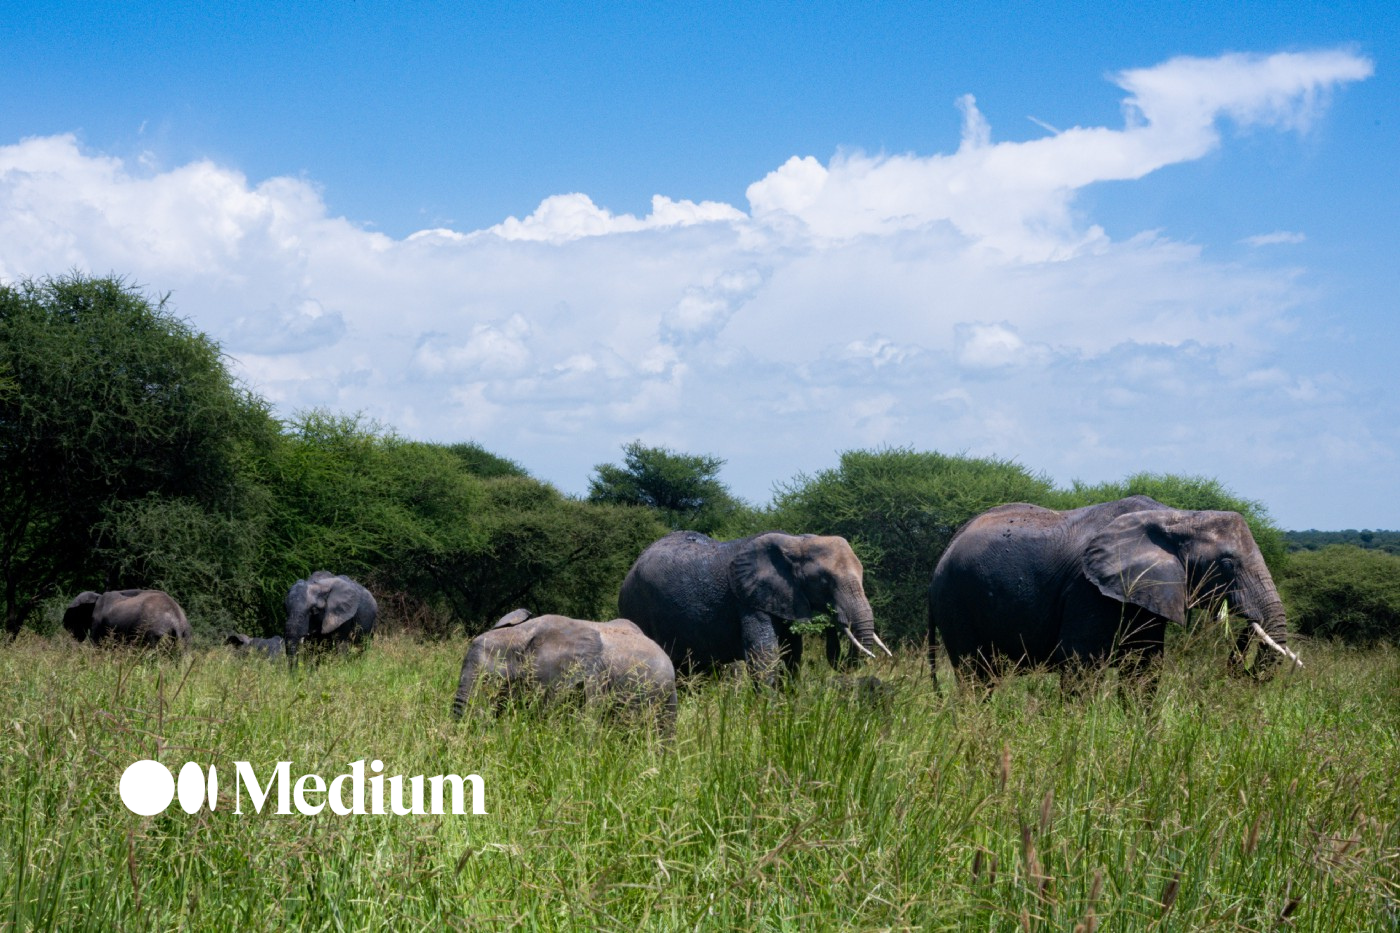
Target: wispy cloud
953, 300
1274, 239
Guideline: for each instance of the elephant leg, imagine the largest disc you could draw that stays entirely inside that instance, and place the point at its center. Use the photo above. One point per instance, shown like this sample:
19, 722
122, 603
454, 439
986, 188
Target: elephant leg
978, 673
1082, 668
1140, 658
762, 651
790, 643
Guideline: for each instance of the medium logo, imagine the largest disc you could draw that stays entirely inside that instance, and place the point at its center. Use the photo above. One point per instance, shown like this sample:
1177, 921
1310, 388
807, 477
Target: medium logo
147, 787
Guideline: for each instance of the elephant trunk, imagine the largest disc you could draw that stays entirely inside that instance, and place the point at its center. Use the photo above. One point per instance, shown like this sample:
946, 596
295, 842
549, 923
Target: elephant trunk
853, 613
470, 670
296, 629
1268, 622
1272, 632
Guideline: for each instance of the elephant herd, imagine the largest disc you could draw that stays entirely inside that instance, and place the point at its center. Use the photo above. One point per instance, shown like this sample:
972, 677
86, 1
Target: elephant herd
1019, 585
324, 609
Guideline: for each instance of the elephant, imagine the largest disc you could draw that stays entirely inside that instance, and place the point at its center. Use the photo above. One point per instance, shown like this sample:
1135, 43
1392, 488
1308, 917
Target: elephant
709, 603
248, 645
1095, 587
326, 608
558, 654
144, 617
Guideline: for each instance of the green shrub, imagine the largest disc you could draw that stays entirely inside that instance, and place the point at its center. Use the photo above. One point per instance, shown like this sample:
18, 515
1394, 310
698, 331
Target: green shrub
899, 508
1344, 592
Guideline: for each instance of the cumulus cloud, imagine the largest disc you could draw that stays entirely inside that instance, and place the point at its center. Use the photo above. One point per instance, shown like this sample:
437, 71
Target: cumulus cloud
570, 216
953, 301
1013, 198
994, 346
703, 310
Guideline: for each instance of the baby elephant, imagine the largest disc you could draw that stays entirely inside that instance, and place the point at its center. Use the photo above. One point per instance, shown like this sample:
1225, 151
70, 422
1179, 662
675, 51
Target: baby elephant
143, 617
262, 647
558, 654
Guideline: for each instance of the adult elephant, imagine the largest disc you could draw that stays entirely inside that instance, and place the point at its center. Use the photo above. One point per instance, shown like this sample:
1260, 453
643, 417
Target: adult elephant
325, 609
1026, 585
709, 603
143, 617
556, 654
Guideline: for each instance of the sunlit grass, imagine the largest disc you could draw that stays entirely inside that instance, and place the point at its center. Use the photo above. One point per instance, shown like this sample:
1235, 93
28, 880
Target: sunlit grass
837, 803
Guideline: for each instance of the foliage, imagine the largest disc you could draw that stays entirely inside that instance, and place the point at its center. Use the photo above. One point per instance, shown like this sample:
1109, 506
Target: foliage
450, 529
1344, 592
209, 559
836, 804
1313, 540
899, 508
545, 552
683, 488
481, 462
112, 406
1189, 492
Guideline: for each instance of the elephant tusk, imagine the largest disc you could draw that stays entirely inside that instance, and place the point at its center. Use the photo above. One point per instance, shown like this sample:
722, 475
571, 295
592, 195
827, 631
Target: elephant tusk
852, 636
883, 646
1264, 637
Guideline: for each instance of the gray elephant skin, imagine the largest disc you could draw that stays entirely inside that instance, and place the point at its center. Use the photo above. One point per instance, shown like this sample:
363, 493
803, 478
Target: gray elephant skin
557, 654
710, 603
327, 609
143, 617
1025, 585
260, 647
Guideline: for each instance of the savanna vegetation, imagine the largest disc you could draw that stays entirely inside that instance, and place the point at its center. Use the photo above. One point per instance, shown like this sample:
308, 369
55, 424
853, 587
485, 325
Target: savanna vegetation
130, 456
839, 803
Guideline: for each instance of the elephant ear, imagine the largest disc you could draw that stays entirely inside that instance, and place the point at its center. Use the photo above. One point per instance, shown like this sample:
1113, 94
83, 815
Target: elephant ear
1135, 560
77, 618
513, 618
762, 576
342, 601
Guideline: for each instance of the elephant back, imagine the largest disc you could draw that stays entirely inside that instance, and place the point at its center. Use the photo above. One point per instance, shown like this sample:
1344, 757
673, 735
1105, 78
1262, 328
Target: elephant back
677, 592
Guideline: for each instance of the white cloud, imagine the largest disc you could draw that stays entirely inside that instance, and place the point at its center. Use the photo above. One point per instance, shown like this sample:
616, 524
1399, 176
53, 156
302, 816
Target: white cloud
703, 310
1013, 198
1274, 239
994, 346
952, 301
565, 217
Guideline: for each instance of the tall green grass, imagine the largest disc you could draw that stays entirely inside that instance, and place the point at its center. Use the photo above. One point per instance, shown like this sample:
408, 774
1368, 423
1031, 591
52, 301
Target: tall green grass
838, 803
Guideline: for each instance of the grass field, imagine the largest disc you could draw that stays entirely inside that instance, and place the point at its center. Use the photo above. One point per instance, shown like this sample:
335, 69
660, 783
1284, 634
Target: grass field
831, 805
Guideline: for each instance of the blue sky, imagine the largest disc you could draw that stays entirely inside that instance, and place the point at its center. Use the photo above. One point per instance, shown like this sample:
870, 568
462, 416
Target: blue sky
1090, 238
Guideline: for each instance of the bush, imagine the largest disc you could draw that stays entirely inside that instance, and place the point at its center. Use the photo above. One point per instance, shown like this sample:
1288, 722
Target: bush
448, 533
1344, 592
899, 508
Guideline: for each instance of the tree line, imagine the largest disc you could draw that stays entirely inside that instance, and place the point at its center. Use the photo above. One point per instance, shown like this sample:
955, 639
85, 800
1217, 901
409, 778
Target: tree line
131, 456
1367, 539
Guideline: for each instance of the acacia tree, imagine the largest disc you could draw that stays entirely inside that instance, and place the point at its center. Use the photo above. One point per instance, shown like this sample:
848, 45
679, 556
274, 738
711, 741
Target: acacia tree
683, 488
112, 407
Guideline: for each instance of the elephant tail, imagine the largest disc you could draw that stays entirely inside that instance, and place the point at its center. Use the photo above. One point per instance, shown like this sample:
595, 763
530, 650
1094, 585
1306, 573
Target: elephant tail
932, 645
